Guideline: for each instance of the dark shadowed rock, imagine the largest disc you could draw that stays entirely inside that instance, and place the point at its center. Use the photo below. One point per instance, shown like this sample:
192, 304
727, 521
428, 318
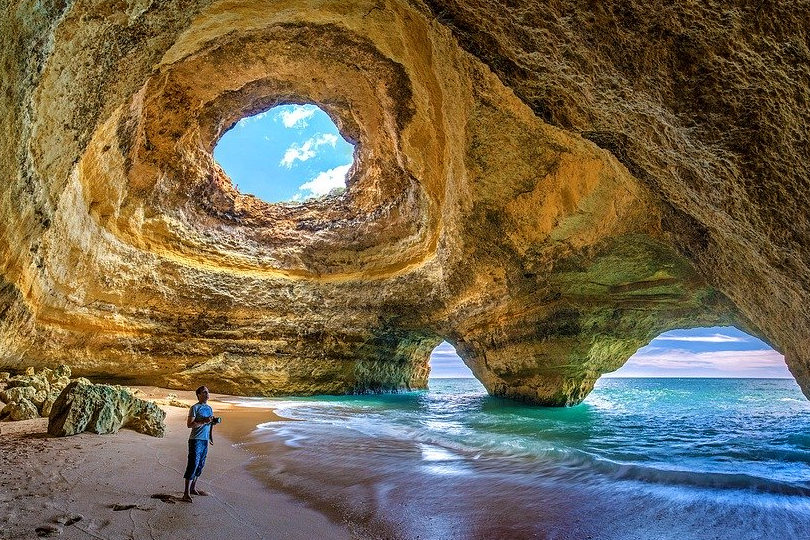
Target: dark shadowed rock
21, 409
101, 408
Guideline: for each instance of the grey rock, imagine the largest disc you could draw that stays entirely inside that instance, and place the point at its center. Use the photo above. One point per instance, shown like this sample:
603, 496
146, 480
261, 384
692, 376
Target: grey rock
101, 408
62, 371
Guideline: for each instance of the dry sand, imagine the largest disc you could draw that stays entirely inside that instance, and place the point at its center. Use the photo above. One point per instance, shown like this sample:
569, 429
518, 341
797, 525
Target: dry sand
45, 480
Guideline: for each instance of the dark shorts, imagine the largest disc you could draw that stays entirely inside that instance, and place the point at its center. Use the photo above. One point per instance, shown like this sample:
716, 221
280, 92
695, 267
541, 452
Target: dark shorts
197, 450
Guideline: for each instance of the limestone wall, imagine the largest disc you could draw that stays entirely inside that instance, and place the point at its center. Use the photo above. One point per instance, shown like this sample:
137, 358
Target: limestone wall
521, 188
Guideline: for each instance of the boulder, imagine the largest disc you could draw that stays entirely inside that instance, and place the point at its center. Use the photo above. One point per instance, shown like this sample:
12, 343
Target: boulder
41, 388
23, 409
61, 372
47, 406
58, 383
102, 408
17, 393
171, 400
39, 382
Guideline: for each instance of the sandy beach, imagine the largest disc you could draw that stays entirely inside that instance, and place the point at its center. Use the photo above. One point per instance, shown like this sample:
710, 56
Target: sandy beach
109, 482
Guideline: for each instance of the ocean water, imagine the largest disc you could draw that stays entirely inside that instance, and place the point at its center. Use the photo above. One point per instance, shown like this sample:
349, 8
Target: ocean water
640, 458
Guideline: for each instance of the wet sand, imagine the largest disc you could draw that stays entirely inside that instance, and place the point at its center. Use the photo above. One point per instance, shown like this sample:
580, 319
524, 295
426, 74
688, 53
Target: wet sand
48, 482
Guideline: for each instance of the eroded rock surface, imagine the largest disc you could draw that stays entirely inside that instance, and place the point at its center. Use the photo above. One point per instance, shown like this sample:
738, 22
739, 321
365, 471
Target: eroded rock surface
548, 186
101, 408
32, 394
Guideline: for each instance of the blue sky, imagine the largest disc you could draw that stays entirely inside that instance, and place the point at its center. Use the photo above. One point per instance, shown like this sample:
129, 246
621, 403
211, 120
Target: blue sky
288, 153
719, 351
293, 152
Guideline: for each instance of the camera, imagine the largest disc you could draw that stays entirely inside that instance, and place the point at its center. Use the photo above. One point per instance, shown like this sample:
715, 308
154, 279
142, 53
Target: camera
216, 419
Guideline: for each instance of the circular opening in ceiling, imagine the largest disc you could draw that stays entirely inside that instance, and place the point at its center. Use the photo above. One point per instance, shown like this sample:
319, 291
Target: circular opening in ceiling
289, 153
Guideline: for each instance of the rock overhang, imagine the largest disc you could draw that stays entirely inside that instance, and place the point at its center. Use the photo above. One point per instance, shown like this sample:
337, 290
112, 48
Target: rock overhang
467, 216
166, 136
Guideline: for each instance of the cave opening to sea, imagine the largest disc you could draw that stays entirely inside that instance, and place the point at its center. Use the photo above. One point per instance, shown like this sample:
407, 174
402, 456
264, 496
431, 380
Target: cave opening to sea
445, 363
710, 352
639, 450
288, 153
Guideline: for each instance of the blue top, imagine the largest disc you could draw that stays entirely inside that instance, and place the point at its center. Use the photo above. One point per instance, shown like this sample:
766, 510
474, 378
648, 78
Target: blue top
198, 412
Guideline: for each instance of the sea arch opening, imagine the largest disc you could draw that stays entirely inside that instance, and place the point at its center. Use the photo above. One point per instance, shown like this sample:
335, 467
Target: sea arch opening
445, 364
288, 153
705, 352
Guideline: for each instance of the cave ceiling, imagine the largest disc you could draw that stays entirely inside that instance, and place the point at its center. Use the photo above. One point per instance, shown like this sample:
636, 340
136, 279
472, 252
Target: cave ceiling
546, 185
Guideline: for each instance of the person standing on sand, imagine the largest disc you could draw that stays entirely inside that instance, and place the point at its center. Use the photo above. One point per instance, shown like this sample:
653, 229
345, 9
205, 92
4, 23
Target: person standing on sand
200, 420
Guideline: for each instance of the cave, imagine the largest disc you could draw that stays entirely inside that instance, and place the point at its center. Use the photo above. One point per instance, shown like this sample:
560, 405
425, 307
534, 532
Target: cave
547, 204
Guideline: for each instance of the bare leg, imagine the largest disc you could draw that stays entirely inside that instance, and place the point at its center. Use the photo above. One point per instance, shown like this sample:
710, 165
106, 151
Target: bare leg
194, 490
186, 496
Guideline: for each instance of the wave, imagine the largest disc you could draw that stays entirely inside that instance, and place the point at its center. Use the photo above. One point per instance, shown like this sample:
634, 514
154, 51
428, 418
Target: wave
556, 463
698, 479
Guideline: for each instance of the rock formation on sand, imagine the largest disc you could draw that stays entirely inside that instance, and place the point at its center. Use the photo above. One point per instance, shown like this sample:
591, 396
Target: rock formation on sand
100, 408
32, 394
546, 185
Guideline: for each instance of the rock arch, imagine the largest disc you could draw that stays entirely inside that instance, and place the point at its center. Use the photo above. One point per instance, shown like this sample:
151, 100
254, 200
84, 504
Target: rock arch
549, 220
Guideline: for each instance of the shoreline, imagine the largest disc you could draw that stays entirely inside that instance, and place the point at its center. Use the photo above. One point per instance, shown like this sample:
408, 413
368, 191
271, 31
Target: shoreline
51, 479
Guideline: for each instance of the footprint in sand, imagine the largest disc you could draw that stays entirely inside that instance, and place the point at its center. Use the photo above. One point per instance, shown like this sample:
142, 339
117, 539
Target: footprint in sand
68, 519
45, 531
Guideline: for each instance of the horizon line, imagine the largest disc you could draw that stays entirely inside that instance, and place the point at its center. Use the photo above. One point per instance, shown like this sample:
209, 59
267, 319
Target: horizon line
649, 377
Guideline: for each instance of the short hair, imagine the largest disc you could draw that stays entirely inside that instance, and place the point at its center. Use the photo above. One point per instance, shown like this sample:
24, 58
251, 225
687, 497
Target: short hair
200, 389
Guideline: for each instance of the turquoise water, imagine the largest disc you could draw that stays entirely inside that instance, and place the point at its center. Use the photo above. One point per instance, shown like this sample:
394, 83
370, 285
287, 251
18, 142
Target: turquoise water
640, 458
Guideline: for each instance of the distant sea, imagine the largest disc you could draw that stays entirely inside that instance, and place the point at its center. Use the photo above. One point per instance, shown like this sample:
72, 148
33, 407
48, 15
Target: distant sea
640, 458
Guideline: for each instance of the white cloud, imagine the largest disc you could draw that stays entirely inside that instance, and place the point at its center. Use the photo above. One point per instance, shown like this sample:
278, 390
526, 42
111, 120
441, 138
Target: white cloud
444, 348
714, 338
308, 150
296, 115
326, 182
250, 119
659, 361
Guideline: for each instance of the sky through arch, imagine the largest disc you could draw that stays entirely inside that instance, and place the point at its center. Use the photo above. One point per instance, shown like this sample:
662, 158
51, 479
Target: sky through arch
287, 153
717, 351
445, 363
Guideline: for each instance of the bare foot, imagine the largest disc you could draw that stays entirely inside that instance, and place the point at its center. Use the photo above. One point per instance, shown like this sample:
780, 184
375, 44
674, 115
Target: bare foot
186, 498
199, 492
